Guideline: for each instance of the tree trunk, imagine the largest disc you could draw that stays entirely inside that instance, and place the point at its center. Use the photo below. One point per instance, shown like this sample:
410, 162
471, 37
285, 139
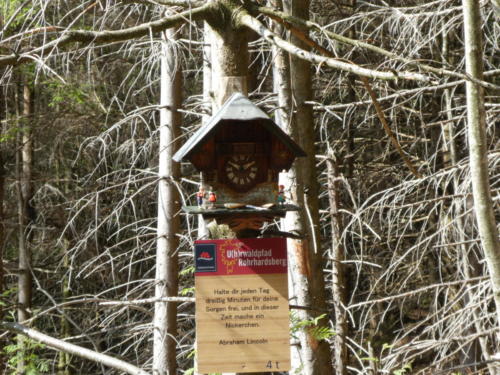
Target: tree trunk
339, 291
306, 255
2, 240
469, 263
281, 86
165, 316
63, 365
229, 63
338, 278
25, 194
478, 159
63, 174
209, 104
25, 215
202, 231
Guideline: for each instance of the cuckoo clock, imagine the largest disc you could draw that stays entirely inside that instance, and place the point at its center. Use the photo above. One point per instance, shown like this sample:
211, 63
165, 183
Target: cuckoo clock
240, 152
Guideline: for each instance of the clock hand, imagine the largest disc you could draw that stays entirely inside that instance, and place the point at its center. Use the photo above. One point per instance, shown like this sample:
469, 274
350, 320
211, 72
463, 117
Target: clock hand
248, 165
237, 166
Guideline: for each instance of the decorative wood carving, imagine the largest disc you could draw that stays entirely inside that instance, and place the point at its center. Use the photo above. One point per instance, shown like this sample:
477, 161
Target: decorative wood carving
240, 152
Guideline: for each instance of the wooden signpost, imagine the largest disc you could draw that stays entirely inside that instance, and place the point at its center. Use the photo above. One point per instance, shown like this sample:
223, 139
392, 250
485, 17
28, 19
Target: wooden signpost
242, 305
242, 322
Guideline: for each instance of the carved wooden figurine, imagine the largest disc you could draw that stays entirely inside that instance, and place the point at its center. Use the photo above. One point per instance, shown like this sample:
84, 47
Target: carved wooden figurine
200, 196
281, 195
212, 198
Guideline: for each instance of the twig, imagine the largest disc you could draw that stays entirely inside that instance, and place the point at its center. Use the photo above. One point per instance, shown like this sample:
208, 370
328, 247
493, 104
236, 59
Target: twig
387, 128
180, 3
466, 366
416, 291
322, 107
147, 300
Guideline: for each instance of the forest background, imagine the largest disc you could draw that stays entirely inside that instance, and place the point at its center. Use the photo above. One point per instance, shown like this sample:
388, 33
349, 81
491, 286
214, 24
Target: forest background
396, 257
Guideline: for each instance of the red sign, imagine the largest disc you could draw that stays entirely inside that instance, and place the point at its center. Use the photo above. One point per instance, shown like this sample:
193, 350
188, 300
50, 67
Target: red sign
240, 256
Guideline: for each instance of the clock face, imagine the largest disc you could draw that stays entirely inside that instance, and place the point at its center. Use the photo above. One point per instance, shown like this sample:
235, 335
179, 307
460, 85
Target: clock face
241, 170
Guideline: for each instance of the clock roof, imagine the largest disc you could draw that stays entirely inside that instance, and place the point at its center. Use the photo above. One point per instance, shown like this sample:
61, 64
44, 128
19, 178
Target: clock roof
237, 108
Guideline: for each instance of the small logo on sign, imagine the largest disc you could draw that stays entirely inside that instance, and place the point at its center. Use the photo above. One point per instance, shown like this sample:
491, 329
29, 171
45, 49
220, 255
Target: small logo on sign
205, 257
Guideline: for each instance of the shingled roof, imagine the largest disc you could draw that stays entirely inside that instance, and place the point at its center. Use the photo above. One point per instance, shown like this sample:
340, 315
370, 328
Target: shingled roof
237, 107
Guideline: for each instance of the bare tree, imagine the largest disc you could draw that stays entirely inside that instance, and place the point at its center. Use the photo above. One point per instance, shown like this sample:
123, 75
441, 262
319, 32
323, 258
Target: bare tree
25, 213
2, 240
165, 319
476, 121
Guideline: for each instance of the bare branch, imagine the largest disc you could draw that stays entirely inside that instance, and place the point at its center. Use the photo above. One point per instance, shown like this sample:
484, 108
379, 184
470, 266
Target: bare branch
254, 24
378, 108
87, 37
34, 31
181, 3
321, 107
79, 351
284, 18
14, 15
147, 300
387, 128
417, 291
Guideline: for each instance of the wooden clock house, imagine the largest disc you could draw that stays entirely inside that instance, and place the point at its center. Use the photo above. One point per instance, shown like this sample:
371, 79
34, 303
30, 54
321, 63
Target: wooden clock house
240, 152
